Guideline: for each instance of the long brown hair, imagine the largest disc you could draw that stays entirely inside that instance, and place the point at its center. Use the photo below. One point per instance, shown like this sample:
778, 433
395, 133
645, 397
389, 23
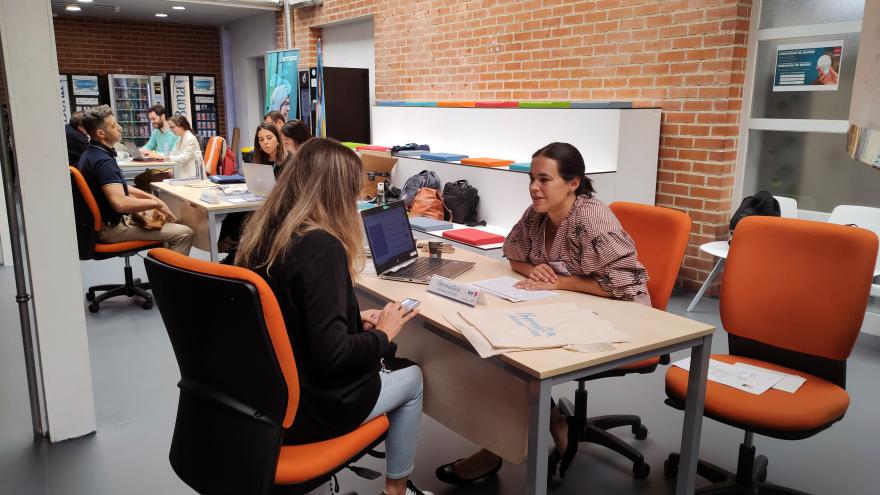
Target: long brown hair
317, 191
259, 155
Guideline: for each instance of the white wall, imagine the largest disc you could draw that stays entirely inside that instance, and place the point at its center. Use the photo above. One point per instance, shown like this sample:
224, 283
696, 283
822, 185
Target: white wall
41, 152
351, 45
249, 39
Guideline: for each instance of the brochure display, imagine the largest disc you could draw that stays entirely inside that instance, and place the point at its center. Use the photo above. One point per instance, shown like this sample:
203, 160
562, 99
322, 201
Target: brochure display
808, 66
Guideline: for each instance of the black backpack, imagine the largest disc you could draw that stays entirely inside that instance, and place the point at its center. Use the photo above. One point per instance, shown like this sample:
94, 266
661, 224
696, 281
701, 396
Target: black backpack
462, 199
762, 203
425, 178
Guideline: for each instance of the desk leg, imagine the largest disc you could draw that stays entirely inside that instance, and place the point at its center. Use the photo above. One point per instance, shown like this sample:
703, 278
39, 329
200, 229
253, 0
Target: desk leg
213, 234
693, 417
539, 432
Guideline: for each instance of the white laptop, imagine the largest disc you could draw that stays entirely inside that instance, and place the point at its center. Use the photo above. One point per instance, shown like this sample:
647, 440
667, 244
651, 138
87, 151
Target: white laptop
260, 179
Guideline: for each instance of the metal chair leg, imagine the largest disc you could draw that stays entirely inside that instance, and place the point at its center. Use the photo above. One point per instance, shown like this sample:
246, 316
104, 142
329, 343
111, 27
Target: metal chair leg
706, 284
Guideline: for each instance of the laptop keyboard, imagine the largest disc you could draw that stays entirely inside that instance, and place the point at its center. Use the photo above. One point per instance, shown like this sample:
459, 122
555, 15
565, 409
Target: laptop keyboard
421, 268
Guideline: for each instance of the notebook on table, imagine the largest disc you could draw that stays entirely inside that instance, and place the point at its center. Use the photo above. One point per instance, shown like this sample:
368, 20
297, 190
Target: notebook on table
521, 167
473, 237
442, 157
486, 162
394, 250
425, 224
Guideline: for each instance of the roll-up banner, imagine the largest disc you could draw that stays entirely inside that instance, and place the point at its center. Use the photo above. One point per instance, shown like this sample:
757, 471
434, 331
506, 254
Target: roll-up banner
65, 97
180, 98
282, 74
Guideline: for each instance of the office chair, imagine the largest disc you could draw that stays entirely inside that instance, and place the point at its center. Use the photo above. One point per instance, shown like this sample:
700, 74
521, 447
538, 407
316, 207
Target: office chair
239, 387
215, 150
661, 237
88, 224
780, 315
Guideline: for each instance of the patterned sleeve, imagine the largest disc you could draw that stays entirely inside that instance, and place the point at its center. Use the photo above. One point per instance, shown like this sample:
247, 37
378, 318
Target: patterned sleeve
518, 243
611, 259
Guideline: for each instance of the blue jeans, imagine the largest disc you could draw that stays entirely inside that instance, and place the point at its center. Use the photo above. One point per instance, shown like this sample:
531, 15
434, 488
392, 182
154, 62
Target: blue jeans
401, 399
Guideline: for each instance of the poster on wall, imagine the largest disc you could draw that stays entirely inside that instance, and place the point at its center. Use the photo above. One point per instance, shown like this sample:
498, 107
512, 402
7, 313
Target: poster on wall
179, 87
282, 74
65, 97
808, 66
203, 85
85, 85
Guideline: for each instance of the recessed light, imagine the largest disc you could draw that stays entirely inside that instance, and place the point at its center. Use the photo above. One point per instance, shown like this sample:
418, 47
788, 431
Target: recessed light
179, 7
160, 14
72, 8
85, 1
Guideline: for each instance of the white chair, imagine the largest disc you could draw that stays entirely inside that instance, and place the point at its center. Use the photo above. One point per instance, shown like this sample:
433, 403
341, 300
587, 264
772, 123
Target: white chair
865, 217
787, 208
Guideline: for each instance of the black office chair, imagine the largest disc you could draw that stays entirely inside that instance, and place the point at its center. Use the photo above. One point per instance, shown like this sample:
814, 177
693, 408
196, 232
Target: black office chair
239, 388
88, 224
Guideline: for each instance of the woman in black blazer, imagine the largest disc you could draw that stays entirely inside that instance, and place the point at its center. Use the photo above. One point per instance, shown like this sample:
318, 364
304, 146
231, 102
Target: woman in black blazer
307, 242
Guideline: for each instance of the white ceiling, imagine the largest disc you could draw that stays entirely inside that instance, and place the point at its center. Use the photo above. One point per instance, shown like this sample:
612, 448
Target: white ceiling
214, 12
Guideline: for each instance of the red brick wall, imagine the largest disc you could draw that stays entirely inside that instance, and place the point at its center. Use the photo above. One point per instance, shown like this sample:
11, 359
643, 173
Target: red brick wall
686, 57
102, 46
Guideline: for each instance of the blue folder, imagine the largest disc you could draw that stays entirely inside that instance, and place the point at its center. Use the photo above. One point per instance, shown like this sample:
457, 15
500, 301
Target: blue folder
424, 224
227, 179
442, 157
521, 167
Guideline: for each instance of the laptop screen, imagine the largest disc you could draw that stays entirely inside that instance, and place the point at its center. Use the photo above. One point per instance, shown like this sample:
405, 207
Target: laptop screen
389, 234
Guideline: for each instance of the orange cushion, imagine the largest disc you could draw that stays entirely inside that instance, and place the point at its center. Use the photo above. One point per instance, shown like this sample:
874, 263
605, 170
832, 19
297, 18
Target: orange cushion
644, 363
486, 162
300, 463
124, 247
816, 403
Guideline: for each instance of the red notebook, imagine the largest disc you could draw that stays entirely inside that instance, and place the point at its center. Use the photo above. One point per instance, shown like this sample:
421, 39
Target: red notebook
473, 237
373, 148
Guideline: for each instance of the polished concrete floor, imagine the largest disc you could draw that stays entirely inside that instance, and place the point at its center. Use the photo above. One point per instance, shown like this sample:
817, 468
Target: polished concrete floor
134, 375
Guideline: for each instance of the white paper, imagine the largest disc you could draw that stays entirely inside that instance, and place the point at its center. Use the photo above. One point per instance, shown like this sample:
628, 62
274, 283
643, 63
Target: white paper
788, 382
503, 288
754, 381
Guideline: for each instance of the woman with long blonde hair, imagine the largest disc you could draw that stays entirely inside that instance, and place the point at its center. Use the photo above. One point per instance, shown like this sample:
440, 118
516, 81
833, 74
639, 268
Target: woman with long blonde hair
307, 242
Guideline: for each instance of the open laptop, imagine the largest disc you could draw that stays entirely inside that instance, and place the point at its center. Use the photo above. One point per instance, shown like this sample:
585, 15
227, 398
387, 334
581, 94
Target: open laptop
136, 155
394, 250
260, 179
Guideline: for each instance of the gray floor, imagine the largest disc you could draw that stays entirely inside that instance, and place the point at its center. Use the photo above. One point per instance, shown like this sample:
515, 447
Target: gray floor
135, 375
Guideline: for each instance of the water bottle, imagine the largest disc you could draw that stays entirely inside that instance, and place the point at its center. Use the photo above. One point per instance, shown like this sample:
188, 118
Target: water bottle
200, 167
380, 194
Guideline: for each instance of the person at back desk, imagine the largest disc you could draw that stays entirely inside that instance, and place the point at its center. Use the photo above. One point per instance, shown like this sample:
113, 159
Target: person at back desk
77, 138
162, 140
115, 199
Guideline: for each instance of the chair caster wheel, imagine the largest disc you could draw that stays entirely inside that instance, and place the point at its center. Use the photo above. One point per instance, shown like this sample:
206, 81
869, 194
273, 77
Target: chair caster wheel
148, 304
640, 432
641, 471
670, 468
93, 308
90, 296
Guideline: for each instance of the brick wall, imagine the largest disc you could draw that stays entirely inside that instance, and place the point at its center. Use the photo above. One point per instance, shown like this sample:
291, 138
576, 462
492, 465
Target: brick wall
102, 46
686, 57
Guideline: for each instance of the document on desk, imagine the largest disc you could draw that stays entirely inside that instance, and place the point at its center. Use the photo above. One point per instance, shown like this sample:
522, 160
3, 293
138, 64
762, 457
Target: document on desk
751, 379
503, 288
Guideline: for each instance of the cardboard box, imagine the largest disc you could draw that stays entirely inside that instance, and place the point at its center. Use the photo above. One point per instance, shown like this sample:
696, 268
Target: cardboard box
377, 168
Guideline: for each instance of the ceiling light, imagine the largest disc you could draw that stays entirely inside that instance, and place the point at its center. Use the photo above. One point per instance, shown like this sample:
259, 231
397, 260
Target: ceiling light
179, 7
72, 8
160, 14
85, 1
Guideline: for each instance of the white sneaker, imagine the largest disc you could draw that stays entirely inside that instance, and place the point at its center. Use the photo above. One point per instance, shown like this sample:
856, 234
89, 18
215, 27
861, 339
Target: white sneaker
410, 490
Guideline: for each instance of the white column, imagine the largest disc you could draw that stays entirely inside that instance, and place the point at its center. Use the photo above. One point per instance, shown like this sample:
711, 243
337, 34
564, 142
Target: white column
31, 67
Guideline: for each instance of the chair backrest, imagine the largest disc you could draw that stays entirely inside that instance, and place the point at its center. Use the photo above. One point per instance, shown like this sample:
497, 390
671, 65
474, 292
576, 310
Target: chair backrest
213, 153
86, 214
799, 287
661, 238
788, 207
865, 217
239, 386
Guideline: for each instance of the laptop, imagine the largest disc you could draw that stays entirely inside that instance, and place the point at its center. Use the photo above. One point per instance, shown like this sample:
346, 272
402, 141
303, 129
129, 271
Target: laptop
394, 250
136, 155
260, 179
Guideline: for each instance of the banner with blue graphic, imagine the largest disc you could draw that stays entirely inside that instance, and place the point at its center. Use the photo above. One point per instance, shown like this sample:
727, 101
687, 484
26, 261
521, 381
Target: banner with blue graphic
282, 74
808, 66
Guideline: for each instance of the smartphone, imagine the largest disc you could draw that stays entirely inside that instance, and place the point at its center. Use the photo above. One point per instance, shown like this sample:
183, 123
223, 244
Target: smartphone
409, 305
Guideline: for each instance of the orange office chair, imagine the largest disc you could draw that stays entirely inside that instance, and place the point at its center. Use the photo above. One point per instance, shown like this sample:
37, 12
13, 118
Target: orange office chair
793, 300
239, 387
88, 224
214, 151
661, 237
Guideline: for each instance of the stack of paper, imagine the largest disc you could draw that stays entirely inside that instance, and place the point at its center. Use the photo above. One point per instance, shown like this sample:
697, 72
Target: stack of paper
498, 331
503, 288
748, 378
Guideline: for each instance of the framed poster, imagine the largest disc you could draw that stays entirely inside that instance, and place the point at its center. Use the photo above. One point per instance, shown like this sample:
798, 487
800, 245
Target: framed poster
282, 74
203, 85
808, 66
85, 85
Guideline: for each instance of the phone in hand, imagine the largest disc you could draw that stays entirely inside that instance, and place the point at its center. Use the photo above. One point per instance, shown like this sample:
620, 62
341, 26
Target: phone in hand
409, 305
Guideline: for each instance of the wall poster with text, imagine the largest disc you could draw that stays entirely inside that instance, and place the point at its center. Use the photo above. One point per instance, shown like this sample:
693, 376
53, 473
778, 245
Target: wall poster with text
808, 66
282, 74
180, 96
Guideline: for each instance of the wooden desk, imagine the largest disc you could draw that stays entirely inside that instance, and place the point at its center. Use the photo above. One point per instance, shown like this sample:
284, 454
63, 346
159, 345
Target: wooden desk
503, 403
204, 218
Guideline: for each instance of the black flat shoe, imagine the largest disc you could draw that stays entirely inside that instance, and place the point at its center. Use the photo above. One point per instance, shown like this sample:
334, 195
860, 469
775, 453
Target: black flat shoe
552, 463
446, 473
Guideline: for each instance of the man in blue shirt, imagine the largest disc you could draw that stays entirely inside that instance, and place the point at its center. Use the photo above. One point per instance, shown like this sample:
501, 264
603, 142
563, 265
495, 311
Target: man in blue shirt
116, 201
162, 140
